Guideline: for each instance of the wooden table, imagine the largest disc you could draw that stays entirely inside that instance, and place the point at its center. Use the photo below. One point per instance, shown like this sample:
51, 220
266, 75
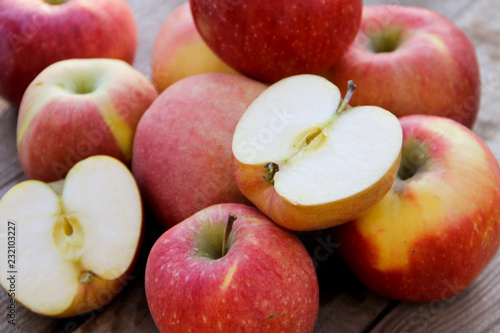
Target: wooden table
346, 306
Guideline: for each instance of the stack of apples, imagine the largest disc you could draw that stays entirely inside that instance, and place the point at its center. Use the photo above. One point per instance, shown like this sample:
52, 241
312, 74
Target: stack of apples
325, 116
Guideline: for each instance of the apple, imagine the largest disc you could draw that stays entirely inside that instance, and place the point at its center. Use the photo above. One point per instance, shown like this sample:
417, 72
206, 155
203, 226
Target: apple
37, 33
412, 60
179, 51
438, 227
72, 244
182, 147
306, 161
77, 108
228, 268
270, 40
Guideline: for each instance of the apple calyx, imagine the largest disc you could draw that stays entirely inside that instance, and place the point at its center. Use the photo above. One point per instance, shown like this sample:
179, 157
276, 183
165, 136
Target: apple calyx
86, 277
229, 226
271, 168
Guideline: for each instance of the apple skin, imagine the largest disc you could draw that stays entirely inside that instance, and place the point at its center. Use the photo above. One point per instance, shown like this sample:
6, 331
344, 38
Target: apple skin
250, 181
265, 283
433, 233
433, 71
38, 34
182, 148
271, 40
58, 125
179, 51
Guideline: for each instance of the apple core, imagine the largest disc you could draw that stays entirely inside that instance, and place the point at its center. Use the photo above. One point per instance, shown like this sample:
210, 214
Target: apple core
69, 238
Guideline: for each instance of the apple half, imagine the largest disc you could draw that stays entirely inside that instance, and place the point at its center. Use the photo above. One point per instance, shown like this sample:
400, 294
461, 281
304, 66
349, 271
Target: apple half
76, 240
307, 161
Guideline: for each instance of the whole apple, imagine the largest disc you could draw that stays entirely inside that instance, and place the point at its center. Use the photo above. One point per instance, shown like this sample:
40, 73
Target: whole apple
71, 246
37, 33
270, 40
76, 108
179, 51
439, 226
203, 277
412, 60
182, 147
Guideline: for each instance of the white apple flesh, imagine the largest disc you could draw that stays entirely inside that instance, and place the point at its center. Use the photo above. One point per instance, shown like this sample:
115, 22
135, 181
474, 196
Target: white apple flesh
307, 163
76, 247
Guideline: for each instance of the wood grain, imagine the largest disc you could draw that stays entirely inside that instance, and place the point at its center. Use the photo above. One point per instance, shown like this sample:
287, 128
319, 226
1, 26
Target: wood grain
346, 306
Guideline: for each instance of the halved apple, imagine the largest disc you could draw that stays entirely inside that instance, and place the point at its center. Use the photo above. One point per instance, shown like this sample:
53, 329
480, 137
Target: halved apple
307, 161
76, 240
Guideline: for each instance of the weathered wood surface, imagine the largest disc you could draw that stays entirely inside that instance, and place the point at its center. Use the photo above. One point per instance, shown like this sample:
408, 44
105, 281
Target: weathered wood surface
346, 306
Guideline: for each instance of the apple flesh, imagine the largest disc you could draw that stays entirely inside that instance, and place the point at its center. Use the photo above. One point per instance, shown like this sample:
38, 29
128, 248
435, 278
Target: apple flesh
309, 165
179, 51
438, 227
264, 282
182, 148
77, 108
271, 40
77, 239
38, 33
412, 60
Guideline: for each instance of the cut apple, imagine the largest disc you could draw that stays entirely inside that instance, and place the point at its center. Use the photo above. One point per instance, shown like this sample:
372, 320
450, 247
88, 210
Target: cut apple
76, 239
307, 161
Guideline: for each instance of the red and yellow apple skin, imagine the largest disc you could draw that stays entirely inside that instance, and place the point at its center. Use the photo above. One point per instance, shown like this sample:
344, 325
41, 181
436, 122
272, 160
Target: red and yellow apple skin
266, 281
429, 65
179, 51
436, 231
251, 180
271, 40
182, 148
38, 33
77, 108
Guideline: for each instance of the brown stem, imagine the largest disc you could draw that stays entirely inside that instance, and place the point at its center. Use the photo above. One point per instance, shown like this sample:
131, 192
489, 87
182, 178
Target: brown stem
351, 87
229, 226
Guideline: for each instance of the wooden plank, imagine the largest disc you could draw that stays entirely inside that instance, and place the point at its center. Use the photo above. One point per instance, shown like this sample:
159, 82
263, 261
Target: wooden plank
9, 164
149, 16
475, 310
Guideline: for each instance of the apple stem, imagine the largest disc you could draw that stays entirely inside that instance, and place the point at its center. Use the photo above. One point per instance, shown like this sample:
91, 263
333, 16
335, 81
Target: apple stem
351, 87
229, 226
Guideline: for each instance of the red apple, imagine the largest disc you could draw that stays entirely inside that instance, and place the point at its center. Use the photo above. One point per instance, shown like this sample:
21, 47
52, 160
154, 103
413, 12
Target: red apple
203, 277
182, 148
37, 33
76, 108
439, 226
179, 51
411, 61
270, 40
